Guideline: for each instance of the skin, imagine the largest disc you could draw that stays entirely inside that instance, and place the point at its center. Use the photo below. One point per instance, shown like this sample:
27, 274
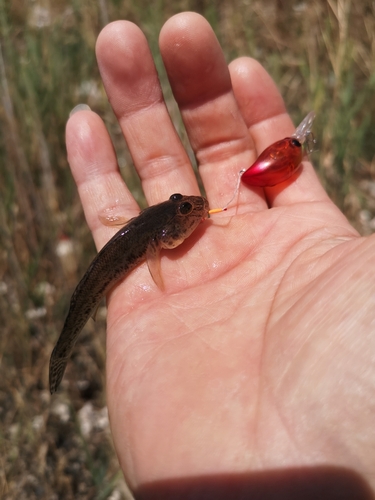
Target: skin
255, 368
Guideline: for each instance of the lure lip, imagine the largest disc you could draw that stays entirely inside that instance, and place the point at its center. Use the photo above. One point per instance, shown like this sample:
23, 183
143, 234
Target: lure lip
303, 131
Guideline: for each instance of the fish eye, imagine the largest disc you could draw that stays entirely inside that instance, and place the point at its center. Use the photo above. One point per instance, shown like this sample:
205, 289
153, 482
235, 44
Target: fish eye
176, 197
186, 208
296, 143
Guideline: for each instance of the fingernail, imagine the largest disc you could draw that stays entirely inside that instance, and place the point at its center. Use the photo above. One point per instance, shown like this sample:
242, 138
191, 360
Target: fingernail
79, 107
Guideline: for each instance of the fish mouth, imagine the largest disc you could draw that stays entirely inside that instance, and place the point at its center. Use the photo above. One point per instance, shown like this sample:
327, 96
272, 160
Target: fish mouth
206, 208
201, 207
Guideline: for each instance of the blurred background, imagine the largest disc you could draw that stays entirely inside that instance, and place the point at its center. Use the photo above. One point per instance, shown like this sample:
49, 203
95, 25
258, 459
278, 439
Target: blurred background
321, 54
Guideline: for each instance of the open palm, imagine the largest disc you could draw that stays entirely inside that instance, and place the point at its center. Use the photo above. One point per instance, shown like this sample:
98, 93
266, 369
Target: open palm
259, 356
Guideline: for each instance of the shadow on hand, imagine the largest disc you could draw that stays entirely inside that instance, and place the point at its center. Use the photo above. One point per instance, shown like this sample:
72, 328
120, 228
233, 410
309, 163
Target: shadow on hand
318, 483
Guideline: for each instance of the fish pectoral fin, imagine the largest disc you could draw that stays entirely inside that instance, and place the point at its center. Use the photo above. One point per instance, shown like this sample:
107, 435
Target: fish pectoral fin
112, 218
153, 262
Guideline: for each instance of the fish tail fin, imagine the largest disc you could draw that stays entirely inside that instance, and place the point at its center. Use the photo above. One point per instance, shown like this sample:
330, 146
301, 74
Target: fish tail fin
95, 312
57, 367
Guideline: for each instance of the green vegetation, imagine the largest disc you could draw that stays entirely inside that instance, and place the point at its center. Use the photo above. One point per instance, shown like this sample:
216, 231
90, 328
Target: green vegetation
322, 56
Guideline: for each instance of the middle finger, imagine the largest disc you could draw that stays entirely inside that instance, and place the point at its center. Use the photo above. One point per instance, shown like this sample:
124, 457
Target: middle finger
200, 80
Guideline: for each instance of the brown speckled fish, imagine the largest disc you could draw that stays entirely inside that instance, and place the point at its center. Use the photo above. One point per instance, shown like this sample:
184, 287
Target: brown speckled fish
165, 225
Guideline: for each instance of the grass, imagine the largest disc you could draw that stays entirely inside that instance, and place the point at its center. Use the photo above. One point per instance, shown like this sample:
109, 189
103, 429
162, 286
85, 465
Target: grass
322, 56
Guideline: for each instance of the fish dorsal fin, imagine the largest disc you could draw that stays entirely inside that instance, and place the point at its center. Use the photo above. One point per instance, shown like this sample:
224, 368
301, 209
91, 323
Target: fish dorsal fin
153, 262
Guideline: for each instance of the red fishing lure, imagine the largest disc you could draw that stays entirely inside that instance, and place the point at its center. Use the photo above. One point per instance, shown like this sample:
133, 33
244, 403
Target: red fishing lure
282, 159
278, 162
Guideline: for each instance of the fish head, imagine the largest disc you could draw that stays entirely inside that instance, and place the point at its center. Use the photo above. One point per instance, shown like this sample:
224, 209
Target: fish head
187, 213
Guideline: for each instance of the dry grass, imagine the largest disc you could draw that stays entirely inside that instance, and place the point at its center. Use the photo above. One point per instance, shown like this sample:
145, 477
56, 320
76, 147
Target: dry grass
321, 54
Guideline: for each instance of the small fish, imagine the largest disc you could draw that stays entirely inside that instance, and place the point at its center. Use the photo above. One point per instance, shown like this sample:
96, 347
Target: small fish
165, 225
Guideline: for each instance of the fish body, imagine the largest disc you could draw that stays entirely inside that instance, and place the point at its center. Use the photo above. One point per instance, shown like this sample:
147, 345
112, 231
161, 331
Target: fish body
165, 225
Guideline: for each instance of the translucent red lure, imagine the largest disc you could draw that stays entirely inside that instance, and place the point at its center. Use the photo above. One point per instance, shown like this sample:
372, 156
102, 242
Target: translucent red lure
278, 162
282, 159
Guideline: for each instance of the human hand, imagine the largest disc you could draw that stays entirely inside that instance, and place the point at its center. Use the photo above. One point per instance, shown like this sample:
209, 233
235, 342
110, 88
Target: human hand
255, 368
